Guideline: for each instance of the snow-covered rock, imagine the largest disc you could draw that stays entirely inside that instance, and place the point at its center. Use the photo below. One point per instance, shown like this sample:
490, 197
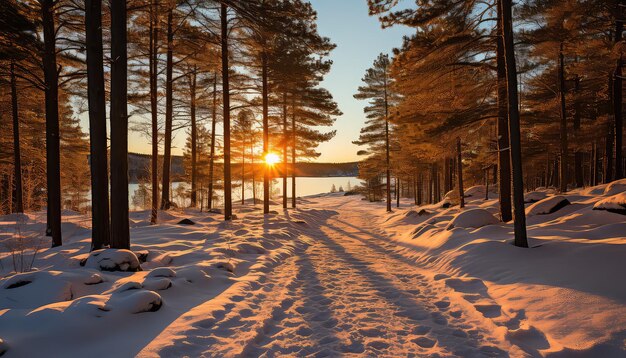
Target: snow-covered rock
615, 187
548, 205
157, 284
136, 302
113, 260
4, 347
477, 191
162, 272
535, 196
472, 218
615, 204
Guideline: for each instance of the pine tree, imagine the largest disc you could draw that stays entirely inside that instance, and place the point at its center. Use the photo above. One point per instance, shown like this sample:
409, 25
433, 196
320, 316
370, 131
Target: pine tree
377, 89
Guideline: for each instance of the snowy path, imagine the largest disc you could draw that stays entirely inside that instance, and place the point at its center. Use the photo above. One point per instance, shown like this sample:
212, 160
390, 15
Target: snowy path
350, 292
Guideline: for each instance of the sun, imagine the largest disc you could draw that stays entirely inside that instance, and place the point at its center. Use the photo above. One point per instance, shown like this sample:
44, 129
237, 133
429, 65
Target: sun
272, 159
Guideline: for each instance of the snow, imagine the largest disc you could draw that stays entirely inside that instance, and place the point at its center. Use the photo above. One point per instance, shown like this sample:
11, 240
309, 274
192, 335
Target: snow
337, 276
615, 203
113, 260
548, 205
535, 196
472, 218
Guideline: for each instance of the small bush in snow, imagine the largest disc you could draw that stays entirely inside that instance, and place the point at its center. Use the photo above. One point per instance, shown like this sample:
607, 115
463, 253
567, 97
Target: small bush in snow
23, 247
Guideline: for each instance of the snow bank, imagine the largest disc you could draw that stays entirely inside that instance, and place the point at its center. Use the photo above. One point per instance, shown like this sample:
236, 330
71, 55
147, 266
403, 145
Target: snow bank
114, 304
615, 187
472, 218
548, 205
614, 204
563, 297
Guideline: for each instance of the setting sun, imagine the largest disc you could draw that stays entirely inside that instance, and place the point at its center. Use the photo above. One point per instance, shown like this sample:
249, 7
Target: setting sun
272, 158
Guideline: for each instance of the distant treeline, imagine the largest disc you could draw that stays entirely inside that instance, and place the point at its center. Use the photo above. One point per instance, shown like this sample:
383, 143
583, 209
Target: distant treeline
139, 168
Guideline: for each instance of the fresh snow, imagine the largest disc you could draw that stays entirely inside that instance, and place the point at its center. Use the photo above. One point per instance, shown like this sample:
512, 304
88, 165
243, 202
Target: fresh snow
337, 276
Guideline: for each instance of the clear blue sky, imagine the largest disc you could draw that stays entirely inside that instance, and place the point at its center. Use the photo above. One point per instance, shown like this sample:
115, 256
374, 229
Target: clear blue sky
359, 40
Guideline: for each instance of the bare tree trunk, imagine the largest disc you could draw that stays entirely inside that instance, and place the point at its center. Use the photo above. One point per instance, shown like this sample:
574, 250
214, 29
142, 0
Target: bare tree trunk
578, 155
285, 134
266, 134
120, 234
212, 155
594, 164
564, 180
504, 152
459, 160
228, 204
514, 126
100, 224
617, 94
17, 156
253, 175
53, 156
398, 192
154, 73
169, 110
293, 154
194, 137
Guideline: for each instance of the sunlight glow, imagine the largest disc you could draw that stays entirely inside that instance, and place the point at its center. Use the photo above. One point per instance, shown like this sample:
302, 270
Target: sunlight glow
272, 159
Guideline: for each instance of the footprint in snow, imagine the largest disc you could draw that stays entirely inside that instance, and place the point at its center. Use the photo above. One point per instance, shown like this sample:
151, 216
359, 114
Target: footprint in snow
424, 342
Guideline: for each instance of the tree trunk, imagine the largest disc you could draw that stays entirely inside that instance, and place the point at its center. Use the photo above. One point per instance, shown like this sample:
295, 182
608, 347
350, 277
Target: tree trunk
53, 156
194, 137
398, 192
617, 94
578, 155
285, 136
17, 156
100, 224
120, 235
266, 134
420, 188
228, 204
564, 180
594, 164
169, 110
293, 154
252, 170
514, 126
212, 155
459, 161
154, 73
504, 152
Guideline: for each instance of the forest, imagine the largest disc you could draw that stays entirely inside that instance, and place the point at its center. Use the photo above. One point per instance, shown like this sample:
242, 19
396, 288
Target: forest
151, 153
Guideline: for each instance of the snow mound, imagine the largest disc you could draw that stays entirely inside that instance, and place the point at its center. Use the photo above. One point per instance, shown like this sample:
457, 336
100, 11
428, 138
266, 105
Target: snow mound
35, 289
113, 260
186, 222
158, 284
548, 205
162, 272
477, 191
3, 347
535, 196
615, 187
472, 218
136, 302
613, 204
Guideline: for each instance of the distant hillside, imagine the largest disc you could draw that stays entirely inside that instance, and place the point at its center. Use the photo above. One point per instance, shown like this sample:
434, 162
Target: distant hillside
139, 167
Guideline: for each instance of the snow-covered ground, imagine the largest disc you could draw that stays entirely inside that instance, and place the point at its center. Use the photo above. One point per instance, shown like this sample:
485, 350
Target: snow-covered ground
337, 276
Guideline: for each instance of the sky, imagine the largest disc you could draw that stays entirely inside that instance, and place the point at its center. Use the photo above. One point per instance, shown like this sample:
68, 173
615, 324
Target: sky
359, 39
